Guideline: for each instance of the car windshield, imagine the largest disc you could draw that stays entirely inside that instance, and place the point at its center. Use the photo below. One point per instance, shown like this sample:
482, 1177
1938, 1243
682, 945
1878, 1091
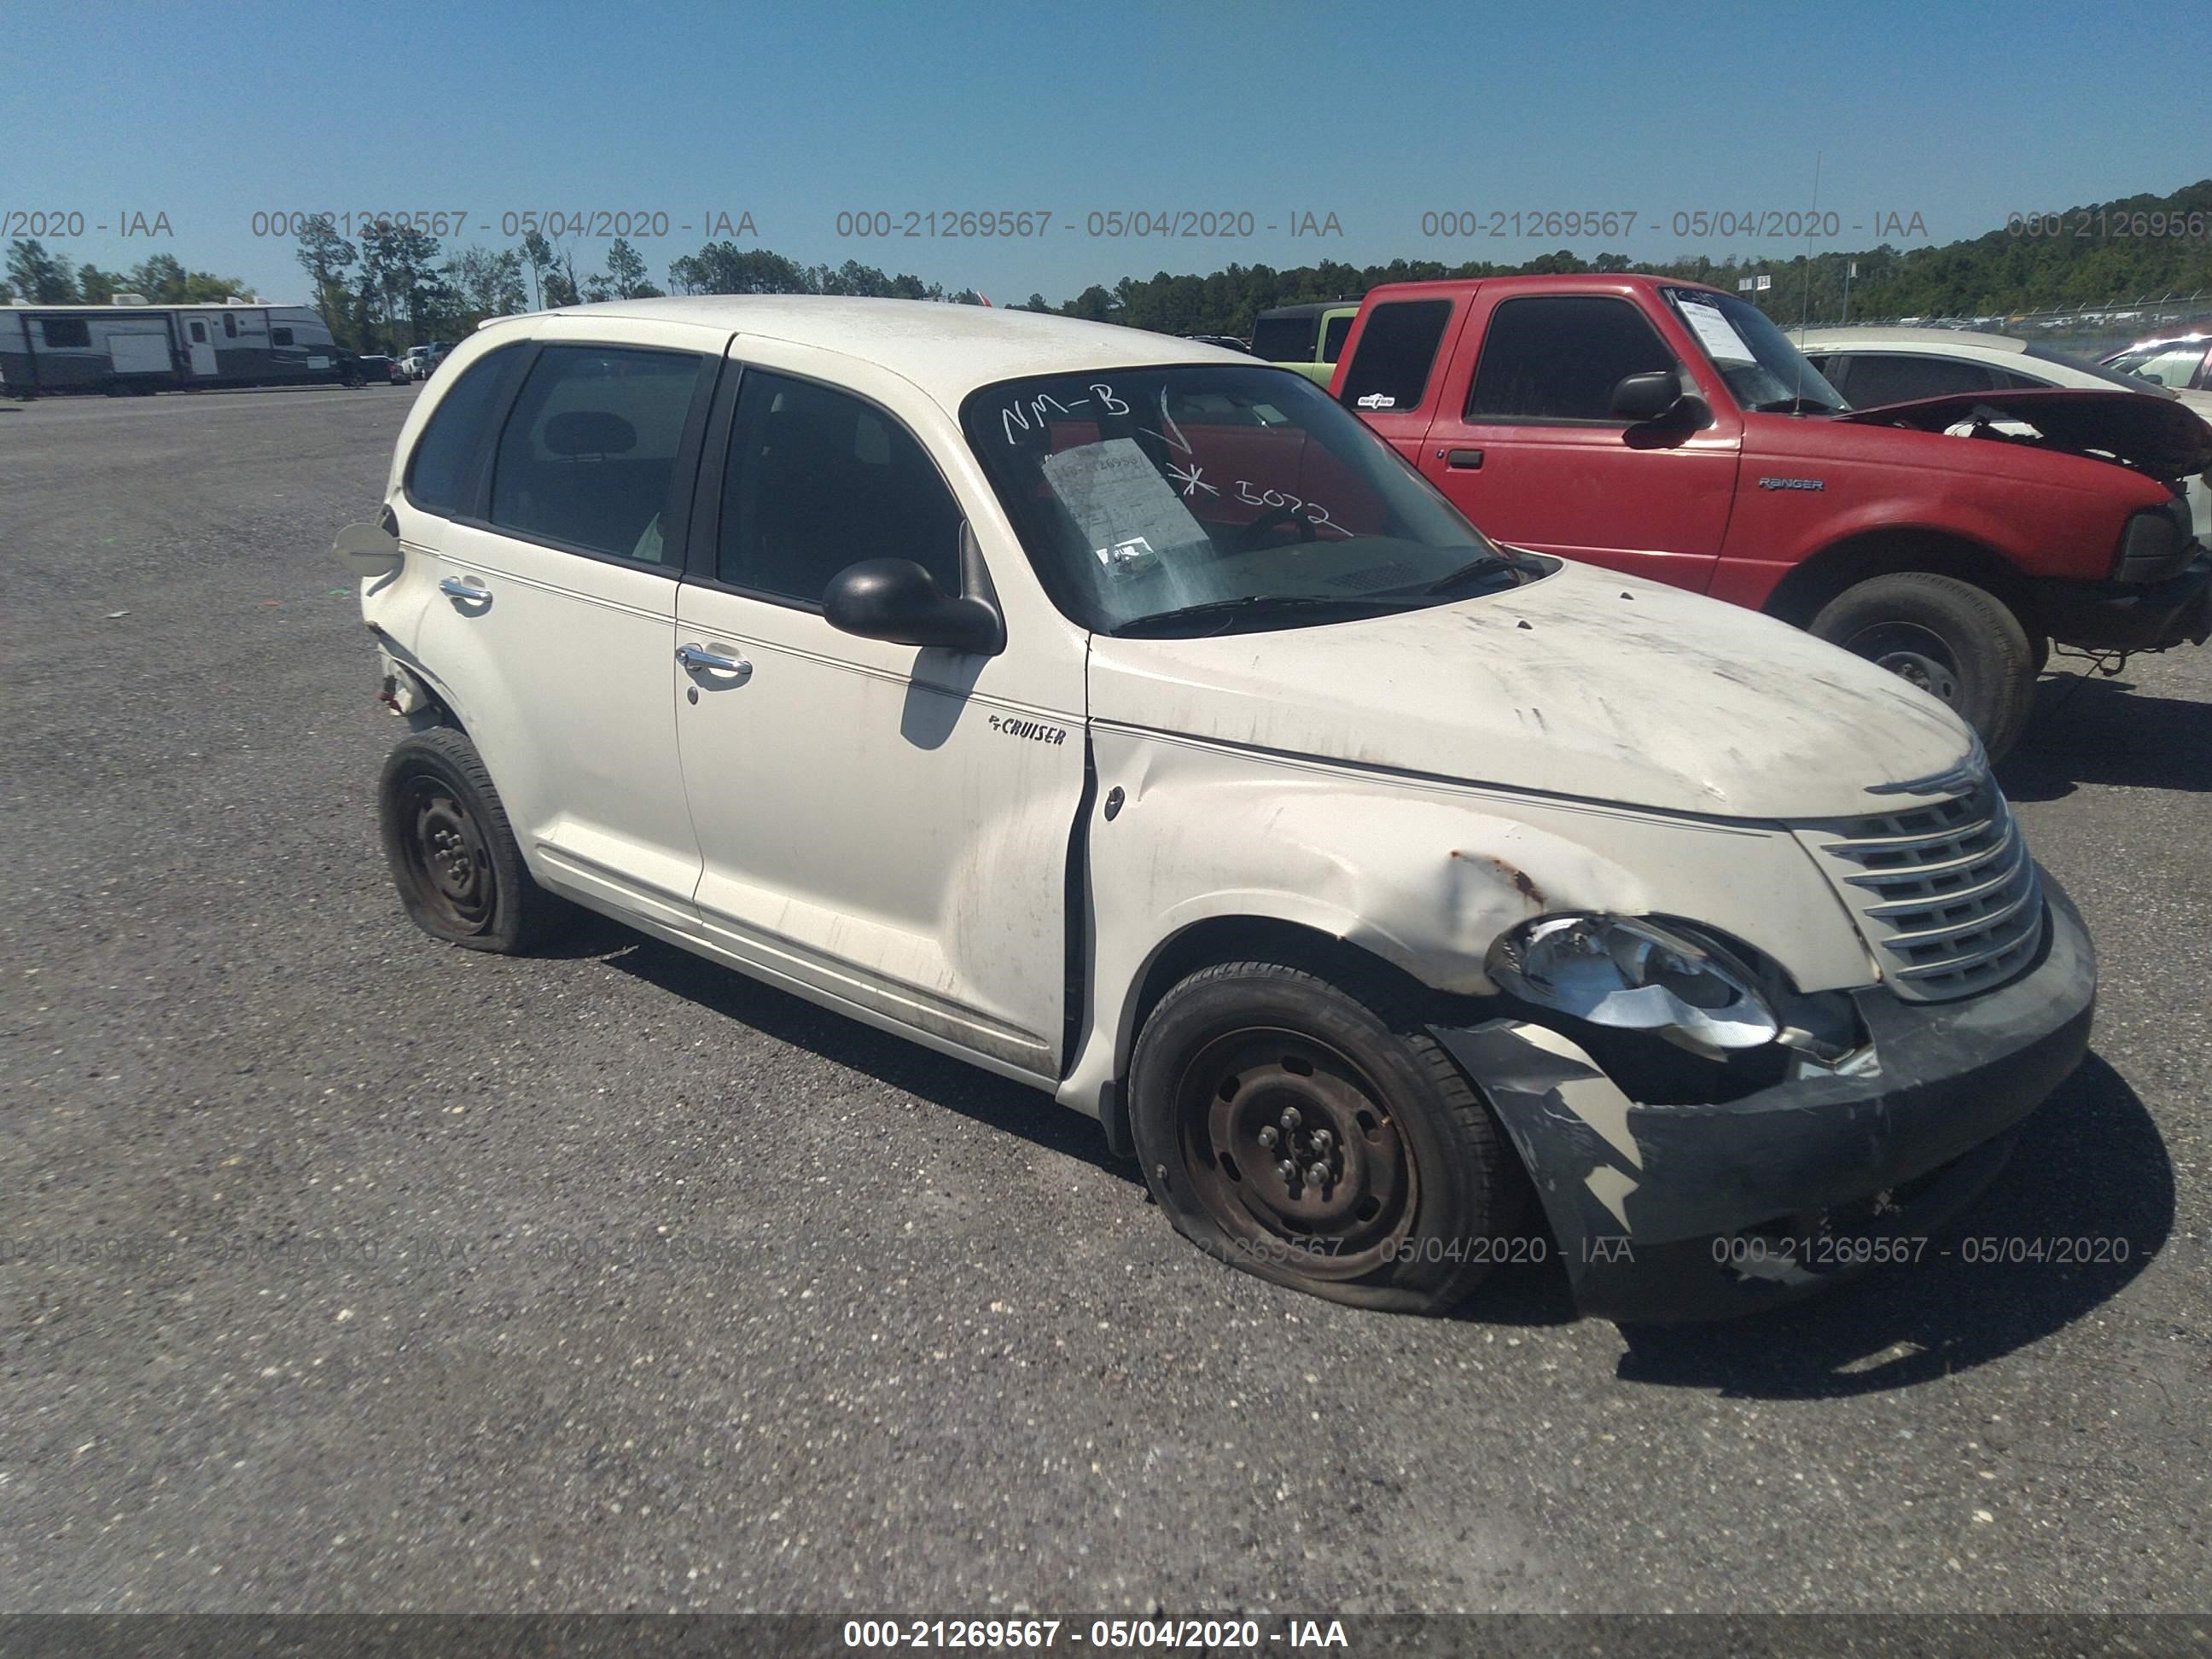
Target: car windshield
1208, 498
1764, 371
2168, 363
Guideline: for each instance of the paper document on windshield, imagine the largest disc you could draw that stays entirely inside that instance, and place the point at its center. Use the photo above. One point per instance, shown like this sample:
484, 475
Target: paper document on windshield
1716, 333
1130, 515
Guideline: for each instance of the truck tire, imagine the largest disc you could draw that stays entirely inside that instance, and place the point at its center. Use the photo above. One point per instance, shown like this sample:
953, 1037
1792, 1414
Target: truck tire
1401, 1189
460, 874
1955, 640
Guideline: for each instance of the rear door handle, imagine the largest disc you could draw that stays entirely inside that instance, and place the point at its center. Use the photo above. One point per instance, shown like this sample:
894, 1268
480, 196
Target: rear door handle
454, 588
1463, 460
699, 659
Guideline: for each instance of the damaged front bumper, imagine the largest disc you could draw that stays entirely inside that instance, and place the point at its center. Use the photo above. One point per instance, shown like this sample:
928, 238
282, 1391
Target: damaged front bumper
1674, 1212
2131, 615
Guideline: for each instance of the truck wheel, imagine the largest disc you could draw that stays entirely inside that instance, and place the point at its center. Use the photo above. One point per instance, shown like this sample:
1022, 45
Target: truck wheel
1318, 1137
1957, 641
445, 835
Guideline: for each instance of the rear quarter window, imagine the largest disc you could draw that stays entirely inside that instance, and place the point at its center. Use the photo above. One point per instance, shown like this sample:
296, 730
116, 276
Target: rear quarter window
1397, 351
447, 461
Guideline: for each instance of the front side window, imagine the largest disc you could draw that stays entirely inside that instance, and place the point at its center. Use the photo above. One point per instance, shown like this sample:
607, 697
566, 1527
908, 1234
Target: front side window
1558, 357
1333, 337
588, 458
1396, 350
1206, 498
1762, 371
1286, 339
819, 480
441, 471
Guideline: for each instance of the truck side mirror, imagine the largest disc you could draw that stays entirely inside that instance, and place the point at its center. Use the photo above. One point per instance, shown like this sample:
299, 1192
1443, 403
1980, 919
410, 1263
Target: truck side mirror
897, 600
1646, 396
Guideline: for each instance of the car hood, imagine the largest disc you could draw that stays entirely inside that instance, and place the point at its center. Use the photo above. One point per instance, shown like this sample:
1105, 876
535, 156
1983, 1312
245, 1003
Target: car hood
2161, 436
1584, 683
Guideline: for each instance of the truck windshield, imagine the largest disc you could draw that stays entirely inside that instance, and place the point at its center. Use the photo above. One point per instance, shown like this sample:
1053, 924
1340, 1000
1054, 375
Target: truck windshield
1762, 370
1209, 498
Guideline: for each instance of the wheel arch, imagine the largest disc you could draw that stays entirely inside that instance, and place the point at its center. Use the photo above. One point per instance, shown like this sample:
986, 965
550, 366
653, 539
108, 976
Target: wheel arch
1800, 595
1241, 936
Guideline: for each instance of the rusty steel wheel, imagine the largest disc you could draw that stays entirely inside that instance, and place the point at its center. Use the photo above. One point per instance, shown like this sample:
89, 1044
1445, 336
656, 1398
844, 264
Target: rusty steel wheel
1287, 1142
1310, 1131
453, 856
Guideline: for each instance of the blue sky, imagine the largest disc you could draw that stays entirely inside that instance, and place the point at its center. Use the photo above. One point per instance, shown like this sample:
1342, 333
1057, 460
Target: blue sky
209, 113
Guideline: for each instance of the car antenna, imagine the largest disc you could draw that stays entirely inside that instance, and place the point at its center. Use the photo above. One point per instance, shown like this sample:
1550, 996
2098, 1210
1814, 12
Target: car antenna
1805, 326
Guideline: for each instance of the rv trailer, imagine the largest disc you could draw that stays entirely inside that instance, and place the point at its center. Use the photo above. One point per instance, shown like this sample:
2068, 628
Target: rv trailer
131, 347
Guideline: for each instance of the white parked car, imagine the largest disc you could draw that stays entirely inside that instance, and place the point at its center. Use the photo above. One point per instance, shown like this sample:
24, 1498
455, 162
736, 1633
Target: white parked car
1119, 714
1876, 365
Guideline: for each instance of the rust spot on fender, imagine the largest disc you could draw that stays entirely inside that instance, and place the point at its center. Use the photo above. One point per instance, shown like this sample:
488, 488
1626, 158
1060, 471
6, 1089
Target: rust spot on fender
1521, 883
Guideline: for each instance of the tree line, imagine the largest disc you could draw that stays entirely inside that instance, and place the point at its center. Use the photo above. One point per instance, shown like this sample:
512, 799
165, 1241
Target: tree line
396, 285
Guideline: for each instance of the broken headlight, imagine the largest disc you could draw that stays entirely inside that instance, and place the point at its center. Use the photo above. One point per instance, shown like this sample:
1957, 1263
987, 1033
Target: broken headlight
1634, 974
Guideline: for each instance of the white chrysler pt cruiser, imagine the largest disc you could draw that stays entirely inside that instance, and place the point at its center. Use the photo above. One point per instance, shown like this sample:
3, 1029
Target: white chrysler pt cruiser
1122, 715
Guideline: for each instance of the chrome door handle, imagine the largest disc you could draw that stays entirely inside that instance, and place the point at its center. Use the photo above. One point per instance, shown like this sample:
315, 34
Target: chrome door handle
454, 588
698, 660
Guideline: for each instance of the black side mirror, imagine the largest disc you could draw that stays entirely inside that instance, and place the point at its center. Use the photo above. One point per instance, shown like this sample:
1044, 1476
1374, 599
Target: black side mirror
897, 600
1646, 396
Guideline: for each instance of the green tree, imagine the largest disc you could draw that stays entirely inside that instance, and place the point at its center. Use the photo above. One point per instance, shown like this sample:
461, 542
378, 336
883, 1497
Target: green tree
96, 287
41, 277
326, 257
485, 283
725, 268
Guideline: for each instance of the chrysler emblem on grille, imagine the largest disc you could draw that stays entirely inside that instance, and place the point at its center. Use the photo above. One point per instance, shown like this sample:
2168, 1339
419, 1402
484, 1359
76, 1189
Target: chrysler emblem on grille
1968, 776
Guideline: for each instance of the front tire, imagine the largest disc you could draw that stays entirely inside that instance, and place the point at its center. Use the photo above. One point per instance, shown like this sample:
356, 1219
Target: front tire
453, 857
1317, 1136
1957, 641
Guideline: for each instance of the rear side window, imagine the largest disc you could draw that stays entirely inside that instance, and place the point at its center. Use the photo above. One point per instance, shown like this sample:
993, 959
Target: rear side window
588, 457
65, 331
1879, 377
1558, 357
440, 472
1397, 349
279, 336
819, 480
1284, 339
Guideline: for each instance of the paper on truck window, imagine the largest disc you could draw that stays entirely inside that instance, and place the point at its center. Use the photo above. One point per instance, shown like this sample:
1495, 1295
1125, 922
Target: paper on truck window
1130, 515
1716, 333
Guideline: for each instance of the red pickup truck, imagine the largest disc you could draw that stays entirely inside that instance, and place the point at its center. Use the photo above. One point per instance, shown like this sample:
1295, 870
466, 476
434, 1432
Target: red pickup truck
1670, 430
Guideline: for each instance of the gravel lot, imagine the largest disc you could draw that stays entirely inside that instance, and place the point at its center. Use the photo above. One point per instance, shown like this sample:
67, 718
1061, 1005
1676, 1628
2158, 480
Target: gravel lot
346, 1272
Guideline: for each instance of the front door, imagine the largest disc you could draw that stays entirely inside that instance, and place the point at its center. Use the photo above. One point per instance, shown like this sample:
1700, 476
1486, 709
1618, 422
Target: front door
199, 346
885, 825
1525, 444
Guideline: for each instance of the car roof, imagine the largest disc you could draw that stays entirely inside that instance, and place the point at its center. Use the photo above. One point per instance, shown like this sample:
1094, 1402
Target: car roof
1944, 340
1576, 282
948, 351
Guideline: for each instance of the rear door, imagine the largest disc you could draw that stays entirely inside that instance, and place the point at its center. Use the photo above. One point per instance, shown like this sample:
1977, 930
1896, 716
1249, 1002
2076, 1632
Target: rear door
559, 546
1525, 442
885, 826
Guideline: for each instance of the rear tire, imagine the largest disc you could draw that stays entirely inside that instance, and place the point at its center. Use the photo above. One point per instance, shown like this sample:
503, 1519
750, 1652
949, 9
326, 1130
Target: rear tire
460, 874
1957, 641
1402, 1189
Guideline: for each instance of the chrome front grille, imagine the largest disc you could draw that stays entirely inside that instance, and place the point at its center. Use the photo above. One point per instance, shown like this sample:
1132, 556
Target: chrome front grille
1946, 893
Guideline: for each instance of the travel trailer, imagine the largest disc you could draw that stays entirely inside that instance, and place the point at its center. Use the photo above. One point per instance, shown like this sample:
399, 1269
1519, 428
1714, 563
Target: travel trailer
133, 347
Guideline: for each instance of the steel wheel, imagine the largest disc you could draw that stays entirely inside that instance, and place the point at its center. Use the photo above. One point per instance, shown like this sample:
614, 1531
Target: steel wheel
1288, 1145
448, 858
1912, 653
